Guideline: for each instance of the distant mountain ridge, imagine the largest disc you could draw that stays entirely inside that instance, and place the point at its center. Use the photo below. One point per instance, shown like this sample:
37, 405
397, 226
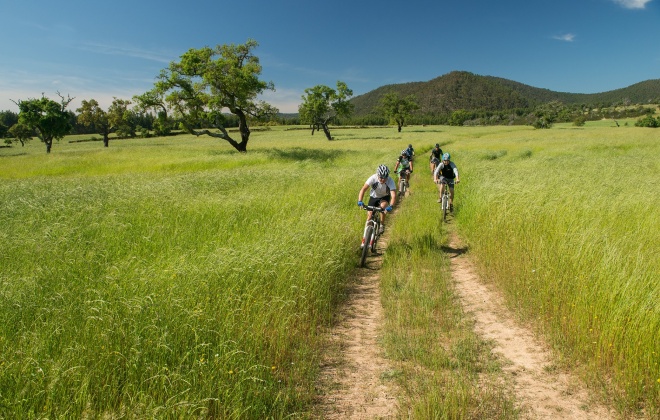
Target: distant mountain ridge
472, 92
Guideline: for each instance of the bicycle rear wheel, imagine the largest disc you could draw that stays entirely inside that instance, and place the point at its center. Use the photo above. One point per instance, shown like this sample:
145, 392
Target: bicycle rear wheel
367, 243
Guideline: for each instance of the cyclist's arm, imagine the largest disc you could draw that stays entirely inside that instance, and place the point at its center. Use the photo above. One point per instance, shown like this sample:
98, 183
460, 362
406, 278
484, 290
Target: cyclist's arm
362, 191
456, 172
435, 173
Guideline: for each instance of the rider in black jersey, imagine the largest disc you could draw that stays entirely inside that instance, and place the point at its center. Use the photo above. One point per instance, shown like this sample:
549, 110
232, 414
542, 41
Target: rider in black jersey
434, 158
446, 173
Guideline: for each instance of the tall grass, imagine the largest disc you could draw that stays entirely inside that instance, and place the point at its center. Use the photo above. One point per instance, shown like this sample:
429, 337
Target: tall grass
566, 223
172, 278
175, 278
445, 370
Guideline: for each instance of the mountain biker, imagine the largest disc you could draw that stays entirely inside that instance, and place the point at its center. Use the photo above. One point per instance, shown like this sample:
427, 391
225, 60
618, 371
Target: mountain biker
446, 173
411, 152
405, 161
434, 158
382, 194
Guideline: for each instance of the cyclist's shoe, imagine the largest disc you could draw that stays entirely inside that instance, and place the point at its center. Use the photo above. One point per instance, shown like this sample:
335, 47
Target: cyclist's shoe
362, 244
451, 208
381, 230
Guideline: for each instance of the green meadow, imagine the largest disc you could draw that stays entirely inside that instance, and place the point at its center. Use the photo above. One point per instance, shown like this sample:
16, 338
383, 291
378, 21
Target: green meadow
176, 278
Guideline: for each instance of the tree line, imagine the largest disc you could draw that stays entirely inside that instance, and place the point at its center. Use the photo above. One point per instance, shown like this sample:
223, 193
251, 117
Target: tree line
210, 90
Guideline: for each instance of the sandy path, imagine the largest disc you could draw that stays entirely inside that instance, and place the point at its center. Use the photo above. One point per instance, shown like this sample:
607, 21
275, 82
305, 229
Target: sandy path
542, 392
353, 385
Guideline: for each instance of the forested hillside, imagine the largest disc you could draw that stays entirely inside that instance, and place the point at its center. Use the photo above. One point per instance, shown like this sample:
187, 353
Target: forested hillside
460, 90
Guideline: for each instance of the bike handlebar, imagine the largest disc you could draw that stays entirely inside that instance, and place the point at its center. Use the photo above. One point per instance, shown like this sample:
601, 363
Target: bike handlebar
373, 208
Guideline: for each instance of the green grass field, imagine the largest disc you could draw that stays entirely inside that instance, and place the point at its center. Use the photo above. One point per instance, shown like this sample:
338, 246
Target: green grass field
176, 278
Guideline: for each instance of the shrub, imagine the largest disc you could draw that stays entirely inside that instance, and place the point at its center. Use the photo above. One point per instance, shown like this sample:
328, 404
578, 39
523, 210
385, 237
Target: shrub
647, 121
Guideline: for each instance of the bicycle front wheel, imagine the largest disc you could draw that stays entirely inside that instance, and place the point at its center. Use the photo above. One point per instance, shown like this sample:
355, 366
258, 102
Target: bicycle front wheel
445, 206
367, 243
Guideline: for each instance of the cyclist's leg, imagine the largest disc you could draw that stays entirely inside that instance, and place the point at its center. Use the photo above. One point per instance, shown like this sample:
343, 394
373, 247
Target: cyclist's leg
384, 202
441, 185
451, 193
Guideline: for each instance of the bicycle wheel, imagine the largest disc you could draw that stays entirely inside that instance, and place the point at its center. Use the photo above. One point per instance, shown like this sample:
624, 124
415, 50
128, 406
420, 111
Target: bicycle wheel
367, 242
374, 240
402, 185
445, 206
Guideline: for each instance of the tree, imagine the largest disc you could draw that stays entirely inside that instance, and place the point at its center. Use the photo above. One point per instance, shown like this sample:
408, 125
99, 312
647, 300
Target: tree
207, 81
321, 104
398, 109
8, 118
46, 117
21, 132
116, 118
459, 117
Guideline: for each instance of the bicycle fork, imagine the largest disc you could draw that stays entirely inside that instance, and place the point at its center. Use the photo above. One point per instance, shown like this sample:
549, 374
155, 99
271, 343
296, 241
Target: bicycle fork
374, 234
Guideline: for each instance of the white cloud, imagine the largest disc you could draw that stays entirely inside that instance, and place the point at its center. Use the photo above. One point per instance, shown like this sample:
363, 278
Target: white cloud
565, 37
632, 4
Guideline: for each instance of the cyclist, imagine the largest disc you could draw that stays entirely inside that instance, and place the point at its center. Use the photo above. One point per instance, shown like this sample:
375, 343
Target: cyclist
405, 162
382, 194
434, 158
446, 173
411, 152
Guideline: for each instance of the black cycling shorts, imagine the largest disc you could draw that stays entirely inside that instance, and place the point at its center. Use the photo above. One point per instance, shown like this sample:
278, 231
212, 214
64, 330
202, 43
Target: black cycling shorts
375, 202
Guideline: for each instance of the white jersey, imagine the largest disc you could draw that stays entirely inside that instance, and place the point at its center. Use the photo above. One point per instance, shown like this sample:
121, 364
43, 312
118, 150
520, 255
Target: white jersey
379, 190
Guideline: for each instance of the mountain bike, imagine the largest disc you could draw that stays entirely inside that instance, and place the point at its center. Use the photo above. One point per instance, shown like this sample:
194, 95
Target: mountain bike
371, 233
444, 198
403, 183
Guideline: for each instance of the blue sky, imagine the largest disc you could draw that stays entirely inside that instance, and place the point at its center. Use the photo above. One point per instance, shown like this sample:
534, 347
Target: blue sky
89, 49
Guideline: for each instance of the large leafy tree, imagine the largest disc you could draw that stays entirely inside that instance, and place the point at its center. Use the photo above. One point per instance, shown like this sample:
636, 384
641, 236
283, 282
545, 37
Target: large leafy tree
104, 122
321, 104
205, 83
46, 117
396, 108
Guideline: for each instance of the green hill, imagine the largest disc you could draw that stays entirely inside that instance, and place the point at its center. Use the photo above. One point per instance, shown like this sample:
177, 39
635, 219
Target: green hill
468, 91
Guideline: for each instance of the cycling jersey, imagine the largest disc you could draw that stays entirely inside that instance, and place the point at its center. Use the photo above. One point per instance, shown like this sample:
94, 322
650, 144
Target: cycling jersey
446, 171
378, 189
404, 162
436, 153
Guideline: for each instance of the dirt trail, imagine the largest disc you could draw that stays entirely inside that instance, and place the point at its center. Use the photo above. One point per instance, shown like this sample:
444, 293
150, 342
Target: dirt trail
353, 385
542, 391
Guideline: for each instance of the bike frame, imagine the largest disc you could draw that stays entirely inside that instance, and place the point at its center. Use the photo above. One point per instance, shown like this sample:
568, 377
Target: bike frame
445, 199
403, 181
372, 232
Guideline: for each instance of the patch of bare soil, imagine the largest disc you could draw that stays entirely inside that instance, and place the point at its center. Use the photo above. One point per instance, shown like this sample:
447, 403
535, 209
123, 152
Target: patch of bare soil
543, 391
354, 384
